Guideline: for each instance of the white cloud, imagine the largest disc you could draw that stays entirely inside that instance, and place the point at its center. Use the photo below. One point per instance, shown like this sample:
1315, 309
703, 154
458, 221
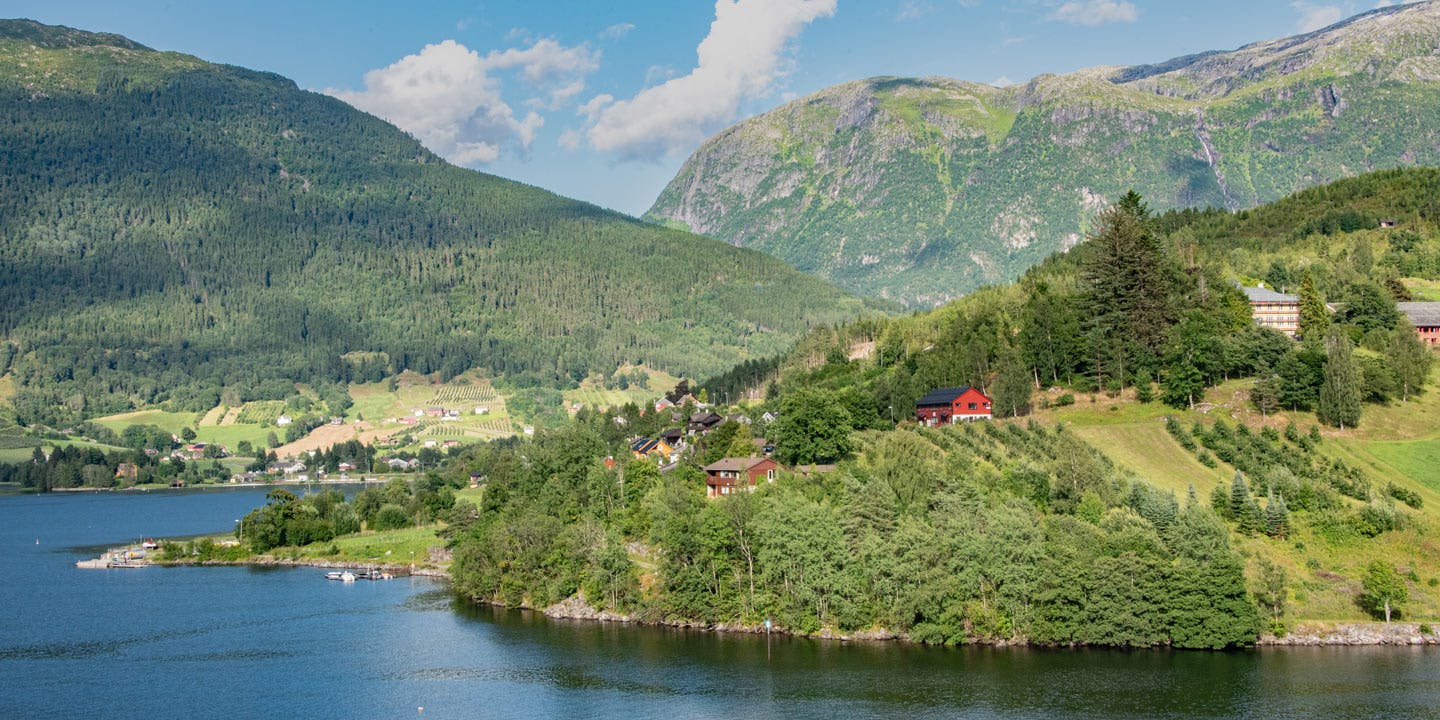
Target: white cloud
1314, 17
571, 139
591, 108
1002, 82
1095, 12
618, 30
449, 96
739, 59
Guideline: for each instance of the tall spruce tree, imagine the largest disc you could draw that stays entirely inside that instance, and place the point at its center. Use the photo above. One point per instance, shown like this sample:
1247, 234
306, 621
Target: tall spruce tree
1314, 318
1340, 392
1127, 291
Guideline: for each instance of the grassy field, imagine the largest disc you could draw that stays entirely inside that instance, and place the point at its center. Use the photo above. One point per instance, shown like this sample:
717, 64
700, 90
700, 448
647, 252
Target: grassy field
1150, 452
1397, 443
389, 547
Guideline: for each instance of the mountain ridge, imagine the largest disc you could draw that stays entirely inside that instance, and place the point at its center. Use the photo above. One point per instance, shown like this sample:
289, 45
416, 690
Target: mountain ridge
174, 229
920, 189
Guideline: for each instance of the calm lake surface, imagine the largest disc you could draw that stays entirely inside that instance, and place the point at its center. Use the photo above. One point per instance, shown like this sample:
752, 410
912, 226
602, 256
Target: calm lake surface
251, 643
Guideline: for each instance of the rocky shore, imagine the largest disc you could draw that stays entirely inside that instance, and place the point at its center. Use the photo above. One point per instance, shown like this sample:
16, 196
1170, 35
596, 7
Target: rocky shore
1313, 634
1305, 634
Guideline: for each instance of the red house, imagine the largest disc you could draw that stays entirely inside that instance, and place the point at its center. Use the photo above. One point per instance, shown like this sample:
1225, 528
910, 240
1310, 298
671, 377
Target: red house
724, 475
953, 404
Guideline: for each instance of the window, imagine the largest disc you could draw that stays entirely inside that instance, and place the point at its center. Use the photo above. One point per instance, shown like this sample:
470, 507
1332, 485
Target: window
972, 406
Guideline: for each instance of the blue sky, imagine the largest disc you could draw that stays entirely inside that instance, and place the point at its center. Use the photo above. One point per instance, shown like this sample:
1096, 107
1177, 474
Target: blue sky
604, 100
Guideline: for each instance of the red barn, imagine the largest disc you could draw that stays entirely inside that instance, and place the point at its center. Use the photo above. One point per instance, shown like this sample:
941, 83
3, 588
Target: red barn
948, 405
725, 475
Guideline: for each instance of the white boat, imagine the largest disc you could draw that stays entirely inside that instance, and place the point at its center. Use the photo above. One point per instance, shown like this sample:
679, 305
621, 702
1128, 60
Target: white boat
347, 576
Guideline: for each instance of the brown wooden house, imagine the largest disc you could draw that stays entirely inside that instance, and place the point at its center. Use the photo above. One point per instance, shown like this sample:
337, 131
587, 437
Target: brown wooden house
723, 476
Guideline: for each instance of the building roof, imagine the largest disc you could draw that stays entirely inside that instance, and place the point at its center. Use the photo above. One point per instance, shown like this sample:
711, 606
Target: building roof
735, 464
1261, 294
942, 396
1421, 314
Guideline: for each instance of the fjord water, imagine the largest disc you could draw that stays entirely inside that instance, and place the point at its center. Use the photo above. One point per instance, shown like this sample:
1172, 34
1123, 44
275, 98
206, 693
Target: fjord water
242, 642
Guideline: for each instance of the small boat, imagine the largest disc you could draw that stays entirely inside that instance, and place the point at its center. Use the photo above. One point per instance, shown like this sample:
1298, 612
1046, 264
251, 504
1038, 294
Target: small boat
150, 544
335, 575
347, 577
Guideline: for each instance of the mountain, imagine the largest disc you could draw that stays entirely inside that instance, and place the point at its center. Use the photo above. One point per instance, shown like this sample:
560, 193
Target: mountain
172, 228
922, 189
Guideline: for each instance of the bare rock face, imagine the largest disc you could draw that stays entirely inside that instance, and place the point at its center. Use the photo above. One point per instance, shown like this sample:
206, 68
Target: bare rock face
576, 608
921, 189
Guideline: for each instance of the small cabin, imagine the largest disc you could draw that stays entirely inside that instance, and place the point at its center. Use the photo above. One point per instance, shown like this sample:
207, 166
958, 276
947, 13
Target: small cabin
943, 406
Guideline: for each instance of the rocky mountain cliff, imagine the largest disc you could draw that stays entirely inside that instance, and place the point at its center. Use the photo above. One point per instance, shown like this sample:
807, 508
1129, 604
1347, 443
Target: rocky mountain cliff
922, 189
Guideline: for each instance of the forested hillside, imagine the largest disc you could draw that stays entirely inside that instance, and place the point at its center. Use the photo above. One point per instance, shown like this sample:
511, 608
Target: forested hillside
1186, 478
920, 189
172, 229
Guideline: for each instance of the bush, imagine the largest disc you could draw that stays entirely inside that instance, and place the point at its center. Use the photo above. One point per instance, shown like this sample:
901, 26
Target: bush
1063, 400
1405, 495
391, 517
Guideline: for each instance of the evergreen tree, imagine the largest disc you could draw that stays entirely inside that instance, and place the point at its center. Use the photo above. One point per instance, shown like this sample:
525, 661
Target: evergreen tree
1340, 393
1241, 505
1300, 377
1265, 395
1314, 318
1277, 516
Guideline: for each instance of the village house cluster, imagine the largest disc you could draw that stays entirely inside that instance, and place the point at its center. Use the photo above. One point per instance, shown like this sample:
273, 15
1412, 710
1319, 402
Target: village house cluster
729, 475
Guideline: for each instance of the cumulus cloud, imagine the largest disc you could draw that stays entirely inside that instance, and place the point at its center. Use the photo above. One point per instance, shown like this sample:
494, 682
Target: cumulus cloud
449, 96
1095, 12
739, 59
1314, 17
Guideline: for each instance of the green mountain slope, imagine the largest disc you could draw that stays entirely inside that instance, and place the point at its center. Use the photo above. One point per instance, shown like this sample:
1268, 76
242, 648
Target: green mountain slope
922, 189
1321, 499
170, 228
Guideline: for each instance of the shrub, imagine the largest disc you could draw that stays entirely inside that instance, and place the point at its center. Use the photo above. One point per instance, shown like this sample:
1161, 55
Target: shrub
391, 517
1405, 495
1063, 400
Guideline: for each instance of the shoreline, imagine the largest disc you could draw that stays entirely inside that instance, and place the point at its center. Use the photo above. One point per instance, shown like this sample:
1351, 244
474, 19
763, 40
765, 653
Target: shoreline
1306, 633
394, 568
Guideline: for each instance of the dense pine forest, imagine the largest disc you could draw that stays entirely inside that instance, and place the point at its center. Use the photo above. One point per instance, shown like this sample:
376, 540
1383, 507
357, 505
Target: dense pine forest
171, 230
